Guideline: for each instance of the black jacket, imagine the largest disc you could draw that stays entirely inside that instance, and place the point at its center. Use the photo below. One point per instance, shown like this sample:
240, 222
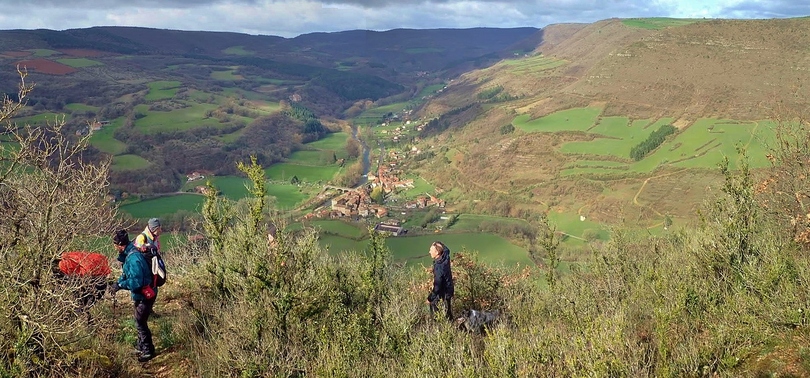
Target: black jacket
442, 277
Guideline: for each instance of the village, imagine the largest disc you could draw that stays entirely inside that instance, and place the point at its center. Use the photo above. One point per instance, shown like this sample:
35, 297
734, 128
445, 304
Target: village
368, 201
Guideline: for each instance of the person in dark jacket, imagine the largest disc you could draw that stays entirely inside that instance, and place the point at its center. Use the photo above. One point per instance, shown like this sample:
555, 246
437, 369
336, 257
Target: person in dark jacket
442, 279
137, 274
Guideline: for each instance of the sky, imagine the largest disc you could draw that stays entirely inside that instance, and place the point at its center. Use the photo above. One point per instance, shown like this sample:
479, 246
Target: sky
289, 18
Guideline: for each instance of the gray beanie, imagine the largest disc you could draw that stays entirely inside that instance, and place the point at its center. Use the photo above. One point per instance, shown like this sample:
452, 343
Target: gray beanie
153, 223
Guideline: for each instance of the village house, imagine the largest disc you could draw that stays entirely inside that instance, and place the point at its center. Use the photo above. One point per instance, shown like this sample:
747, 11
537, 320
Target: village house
393, 230
195, 176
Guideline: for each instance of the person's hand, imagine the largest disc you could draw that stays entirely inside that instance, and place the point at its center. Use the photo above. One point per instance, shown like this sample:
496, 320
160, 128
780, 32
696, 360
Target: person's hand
427, 301
114, 288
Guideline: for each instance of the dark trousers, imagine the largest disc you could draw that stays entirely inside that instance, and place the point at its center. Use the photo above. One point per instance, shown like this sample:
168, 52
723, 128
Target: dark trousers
448, 308
142, 311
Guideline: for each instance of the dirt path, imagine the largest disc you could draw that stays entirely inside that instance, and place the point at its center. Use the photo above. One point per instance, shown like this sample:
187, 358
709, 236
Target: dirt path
641, 189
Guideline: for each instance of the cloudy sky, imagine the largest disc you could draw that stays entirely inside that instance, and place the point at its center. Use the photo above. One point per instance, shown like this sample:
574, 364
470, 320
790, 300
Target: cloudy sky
289, 18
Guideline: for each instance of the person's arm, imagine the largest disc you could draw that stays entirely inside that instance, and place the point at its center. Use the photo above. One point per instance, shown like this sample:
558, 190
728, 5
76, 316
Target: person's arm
131, 279
438, 280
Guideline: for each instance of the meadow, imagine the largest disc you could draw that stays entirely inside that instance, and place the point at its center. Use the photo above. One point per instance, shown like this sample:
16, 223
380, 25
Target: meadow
41, 53
128, 162
333, 141
162, 90
308, 173
656, 23
237, 50
226, 75
76, 106
165, 205
178, 119
105, 141
374, 116
702, 144
79, 62
412, 250
577, 119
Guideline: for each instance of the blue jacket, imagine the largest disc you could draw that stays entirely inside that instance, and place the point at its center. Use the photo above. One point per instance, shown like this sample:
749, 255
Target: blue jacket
137, 274
442, 277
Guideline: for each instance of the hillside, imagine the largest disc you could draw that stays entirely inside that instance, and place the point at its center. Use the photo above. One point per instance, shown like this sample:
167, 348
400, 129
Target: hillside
203, 101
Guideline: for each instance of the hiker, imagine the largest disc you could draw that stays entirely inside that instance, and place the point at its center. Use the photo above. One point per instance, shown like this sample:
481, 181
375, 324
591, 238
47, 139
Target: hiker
137, 278
148, 239
442, 279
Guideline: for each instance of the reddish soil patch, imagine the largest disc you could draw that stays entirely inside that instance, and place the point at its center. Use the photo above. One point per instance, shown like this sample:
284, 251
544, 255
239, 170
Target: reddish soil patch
83, 53
46, 66
16, 54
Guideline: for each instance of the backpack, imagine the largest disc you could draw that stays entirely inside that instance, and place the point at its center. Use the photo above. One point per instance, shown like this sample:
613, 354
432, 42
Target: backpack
158, 266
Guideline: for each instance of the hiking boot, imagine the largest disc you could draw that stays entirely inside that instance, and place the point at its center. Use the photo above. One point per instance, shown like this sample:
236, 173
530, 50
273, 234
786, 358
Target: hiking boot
146, 356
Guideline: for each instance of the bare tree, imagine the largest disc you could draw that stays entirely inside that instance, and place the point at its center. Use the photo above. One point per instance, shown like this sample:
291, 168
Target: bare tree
52, 201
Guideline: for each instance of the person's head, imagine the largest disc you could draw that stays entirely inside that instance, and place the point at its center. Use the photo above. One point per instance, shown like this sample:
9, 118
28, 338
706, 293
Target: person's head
120, 240
154, 226
436, 249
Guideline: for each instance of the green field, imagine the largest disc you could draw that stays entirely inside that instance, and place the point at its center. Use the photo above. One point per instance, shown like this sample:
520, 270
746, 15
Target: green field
429, 90
286, 196
570, 224
81, 107
237, 50
128, 162
420, 187
657, 22
334, 141
40, 53
285, 171
339, 228
39, 119
162, 90
162, 206
310, 158
577, 119
620, 137
225, 75
79, 62
374, 116
491, 249
105, 141
178, 119
704, 144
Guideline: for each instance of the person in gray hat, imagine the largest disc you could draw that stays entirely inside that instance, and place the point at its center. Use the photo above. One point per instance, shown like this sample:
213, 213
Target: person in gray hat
148, 239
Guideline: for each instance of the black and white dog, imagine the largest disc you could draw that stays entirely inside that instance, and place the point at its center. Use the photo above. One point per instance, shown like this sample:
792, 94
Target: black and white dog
477, 321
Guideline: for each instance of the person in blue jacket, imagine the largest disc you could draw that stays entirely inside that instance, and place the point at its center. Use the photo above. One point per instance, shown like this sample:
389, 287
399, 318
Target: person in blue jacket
137, 274
442, 279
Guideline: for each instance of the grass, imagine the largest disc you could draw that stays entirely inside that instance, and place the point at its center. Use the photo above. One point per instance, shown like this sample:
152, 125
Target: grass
420, 187
530, 65
233, 187
430, 89
491, 249
105, 141
656, 23
76, 106
79, 62
620, 138
339, 228
571, 224
286, 196
40, 53
237, 50
162, 206
178, 119
308, 158
129, 162
703, 145
334, 141
285, 171
577, 119
225, 75
374, 116
39, 119
162, 90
